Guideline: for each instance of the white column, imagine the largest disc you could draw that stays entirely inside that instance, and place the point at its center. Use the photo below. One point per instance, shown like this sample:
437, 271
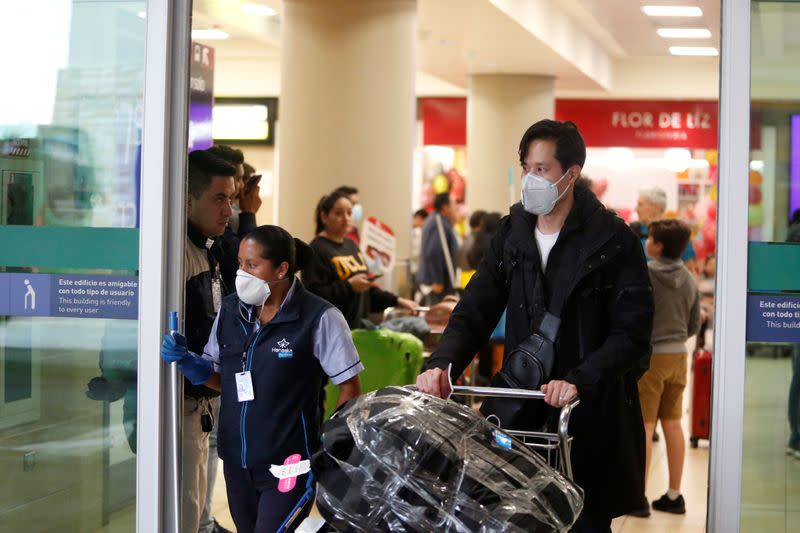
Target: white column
500, 108
347, 109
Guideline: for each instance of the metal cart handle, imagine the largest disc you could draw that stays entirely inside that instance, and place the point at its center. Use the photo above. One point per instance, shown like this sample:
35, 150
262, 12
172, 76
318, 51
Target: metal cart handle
563, 418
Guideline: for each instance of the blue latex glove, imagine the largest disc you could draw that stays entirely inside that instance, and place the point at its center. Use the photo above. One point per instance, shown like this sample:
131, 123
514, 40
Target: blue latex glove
195, 368
174, 349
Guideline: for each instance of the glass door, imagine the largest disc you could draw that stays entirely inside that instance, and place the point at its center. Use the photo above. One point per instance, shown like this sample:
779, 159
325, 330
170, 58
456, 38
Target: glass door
71, 110
770, 483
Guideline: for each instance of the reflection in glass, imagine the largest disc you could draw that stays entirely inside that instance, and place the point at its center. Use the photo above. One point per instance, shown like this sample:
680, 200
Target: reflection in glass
771, 453
70, 138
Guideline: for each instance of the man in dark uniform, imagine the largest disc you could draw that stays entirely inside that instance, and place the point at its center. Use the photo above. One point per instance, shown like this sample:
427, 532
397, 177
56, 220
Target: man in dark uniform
210, 274
561, 235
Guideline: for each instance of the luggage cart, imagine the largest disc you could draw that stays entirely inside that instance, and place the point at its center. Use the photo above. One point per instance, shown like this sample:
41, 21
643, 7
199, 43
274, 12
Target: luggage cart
556, 446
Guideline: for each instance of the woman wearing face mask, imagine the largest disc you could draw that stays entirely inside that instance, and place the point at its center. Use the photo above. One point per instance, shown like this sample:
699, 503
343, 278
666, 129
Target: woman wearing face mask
272, 346
339, 272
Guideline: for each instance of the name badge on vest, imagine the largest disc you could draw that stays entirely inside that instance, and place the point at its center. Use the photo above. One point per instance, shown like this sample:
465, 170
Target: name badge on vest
244, 387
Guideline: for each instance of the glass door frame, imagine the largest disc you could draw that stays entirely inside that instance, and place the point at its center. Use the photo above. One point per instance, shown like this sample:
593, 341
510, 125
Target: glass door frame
161, 243
725, 467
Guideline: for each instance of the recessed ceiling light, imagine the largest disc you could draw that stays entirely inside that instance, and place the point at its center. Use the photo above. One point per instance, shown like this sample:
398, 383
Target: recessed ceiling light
693, 51
672, 11
259, 10
684, 33
142, 14
212, 34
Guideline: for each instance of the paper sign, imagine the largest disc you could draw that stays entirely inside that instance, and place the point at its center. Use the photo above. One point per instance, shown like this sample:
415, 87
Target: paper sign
379, 245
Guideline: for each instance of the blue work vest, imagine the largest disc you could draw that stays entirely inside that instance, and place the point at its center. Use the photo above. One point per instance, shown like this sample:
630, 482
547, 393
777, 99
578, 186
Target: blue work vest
284, 418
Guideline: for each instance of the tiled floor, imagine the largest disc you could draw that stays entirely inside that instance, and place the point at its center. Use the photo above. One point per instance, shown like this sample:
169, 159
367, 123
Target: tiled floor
770, 478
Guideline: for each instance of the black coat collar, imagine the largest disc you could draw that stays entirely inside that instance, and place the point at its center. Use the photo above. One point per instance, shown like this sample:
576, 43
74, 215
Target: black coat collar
211, 244
585, 243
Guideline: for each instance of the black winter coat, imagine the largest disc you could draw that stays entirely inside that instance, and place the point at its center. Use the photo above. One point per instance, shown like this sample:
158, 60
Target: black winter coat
603, 346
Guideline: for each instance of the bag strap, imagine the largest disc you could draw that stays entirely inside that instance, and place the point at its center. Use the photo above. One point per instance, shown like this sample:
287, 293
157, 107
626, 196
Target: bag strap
551, 322
446, 251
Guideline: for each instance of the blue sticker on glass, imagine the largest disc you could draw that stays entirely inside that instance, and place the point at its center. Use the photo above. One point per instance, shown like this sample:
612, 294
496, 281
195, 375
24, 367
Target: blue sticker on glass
502, 440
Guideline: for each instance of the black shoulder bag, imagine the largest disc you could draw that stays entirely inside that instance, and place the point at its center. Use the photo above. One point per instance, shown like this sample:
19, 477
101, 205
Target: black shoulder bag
529, 366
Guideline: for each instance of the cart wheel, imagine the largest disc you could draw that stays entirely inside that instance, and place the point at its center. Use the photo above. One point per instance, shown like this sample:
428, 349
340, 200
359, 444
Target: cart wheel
694, 441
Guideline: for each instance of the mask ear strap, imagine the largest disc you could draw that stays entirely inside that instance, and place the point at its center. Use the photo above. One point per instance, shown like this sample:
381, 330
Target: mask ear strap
560, 196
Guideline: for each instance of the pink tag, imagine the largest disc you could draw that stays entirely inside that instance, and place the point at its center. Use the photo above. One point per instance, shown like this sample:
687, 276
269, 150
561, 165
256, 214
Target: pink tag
287, 484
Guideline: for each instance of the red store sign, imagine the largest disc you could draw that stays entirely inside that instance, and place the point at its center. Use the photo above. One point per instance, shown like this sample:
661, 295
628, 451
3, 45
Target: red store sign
643, 123
444, 121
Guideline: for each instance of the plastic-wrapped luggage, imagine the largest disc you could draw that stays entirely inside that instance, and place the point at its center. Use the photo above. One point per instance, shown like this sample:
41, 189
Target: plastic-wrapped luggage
401, 461
389, 358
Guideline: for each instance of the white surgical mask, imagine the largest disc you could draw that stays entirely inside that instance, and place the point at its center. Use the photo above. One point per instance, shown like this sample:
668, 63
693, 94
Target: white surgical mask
358, 213
251, 290
540, 195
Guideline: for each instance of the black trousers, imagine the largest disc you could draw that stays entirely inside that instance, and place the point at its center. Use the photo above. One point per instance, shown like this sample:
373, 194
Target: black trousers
591, 524
256, 504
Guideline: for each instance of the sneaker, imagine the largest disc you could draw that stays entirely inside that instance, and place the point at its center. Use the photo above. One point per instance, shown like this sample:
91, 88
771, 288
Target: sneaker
665, 505
644, 512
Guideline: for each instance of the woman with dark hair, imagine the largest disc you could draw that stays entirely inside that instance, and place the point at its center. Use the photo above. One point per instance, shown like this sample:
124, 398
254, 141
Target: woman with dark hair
339, 272
272, 346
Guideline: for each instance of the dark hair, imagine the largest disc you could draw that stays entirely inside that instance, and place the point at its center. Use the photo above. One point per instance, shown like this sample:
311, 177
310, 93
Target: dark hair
795, 217
441, 200
204, 165
228, 153
347, 190
325, 205
279, 246
491, 222
249, 170
483, 239
673, 234
570, 148
421, 213
477, 218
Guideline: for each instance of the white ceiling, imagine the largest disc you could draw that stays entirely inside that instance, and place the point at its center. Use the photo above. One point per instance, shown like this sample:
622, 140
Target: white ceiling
584, 44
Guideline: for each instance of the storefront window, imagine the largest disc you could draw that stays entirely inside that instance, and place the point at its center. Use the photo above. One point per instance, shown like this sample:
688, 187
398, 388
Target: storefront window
70, 131
771, 448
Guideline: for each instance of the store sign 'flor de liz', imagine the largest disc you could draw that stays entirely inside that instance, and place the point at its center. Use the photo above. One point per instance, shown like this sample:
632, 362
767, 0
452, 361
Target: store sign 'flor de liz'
643, 123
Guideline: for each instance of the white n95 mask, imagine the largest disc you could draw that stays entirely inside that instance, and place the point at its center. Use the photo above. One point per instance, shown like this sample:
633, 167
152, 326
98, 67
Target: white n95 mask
540, 195
250, 289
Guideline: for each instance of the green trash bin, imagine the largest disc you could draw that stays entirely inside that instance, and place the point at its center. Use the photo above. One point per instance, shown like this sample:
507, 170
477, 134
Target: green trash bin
389, 358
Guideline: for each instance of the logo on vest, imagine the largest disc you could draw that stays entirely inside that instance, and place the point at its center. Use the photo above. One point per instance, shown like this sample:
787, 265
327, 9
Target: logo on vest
283, 350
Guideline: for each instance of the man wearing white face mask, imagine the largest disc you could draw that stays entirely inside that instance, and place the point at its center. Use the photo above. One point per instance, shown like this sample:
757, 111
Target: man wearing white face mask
580, 308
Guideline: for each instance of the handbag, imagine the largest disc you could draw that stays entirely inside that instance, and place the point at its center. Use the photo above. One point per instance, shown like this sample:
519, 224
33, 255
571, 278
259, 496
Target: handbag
529, 366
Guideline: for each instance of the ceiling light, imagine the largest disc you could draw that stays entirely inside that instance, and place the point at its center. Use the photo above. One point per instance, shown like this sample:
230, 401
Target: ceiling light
259, 10
693, 51
672, 11
142, 14
212, 34
684, 33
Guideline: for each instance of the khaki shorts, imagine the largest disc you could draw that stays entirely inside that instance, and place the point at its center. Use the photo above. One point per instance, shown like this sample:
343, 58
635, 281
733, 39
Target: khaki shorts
661, 388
